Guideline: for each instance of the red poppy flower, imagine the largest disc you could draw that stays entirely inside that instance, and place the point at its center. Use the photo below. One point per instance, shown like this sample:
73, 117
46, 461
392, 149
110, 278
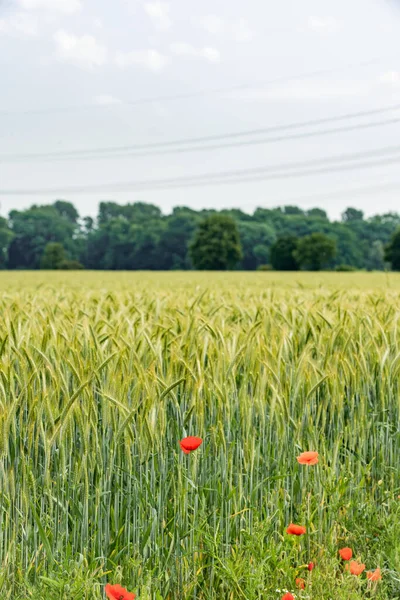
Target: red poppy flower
311, 566
117, 592
190, 443
346, 553
355, 567
374, 575
308, 458
301, 584
288, 596
296, 529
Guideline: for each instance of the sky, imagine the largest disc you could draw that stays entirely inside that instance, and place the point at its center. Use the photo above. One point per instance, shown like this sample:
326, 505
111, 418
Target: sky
96, 75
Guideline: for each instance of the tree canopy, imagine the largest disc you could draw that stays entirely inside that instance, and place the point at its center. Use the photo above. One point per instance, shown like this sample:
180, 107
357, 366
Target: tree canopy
216, 244
139, 236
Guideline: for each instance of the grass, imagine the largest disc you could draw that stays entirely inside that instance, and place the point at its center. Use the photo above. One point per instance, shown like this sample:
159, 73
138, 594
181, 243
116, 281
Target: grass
102, 374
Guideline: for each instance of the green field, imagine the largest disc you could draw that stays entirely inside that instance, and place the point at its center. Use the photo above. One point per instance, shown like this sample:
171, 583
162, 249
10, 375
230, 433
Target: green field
103, 373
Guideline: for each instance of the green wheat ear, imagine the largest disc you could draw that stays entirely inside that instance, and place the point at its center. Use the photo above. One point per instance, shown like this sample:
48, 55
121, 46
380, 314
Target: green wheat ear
102, 375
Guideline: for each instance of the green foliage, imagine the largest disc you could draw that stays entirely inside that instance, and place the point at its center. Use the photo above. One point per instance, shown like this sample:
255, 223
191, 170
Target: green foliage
392, 251
216, 244
344, 268
53, 256
317, 212
6, 236
139, 237
32, 230
352, 214
315, 251
256, 240
282, 254
70, 265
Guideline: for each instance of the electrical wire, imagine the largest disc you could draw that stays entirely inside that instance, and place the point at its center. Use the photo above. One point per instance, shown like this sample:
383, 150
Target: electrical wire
280, 171
132, 153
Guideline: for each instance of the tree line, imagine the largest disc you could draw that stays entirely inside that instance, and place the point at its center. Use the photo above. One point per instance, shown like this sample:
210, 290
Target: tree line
139, 236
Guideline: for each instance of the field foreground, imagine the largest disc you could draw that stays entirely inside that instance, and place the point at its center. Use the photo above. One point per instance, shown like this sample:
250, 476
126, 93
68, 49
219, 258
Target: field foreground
101, 376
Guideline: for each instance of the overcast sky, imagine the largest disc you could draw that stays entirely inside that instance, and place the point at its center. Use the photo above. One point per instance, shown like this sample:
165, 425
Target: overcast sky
83, 74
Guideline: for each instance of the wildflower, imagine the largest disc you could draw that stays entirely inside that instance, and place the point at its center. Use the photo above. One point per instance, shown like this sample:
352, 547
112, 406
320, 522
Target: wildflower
346, 553
117, 592
288, 596
190, 443
308, 458
296, 529
301, 584
311, 566
374, 575
355, 567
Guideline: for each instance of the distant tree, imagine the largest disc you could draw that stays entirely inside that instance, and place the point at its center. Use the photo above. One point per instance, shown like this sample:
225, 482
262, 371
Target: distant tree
53, 256
282, 254
66, 210
375, 260
216, 245
138, 212
177, 233
314, 251
256, 240
345, 268
6, 236
292, 210
33, 229
88, 224
392, 251
317, 212
352, 214
70, 265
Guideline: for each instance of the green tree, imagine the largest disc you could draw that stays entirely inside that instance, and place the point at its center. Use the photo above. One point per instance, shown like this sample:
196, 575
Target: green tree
70, 265
392, 251
53, 256
375, 260
33, 229
317, 212
314, 251
173, 249
216, 244
292, 210
282, 254
6, 236
352, 214
67, 211
256, 240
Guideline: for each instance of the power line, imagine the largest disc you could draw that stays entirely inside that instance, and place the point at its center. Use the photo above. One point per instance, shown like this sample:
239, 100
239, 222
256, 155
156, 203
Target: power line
197, 94
104, 153
281, 171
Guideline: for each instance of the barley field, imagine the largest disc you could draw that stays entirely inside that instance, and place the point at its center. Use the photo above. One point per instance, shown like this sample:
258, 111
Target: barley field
101, 376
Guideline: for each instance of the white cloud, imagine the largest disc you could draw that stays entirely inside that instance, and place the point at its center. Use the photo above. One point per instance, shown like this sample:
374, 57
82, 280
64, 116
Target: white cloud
19, 24
213, 24
149, 59
390, 78
211, 54
242, 32
239, 31
184, 49
159, 14
67, 7
323, 25
106, 100
83, 51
